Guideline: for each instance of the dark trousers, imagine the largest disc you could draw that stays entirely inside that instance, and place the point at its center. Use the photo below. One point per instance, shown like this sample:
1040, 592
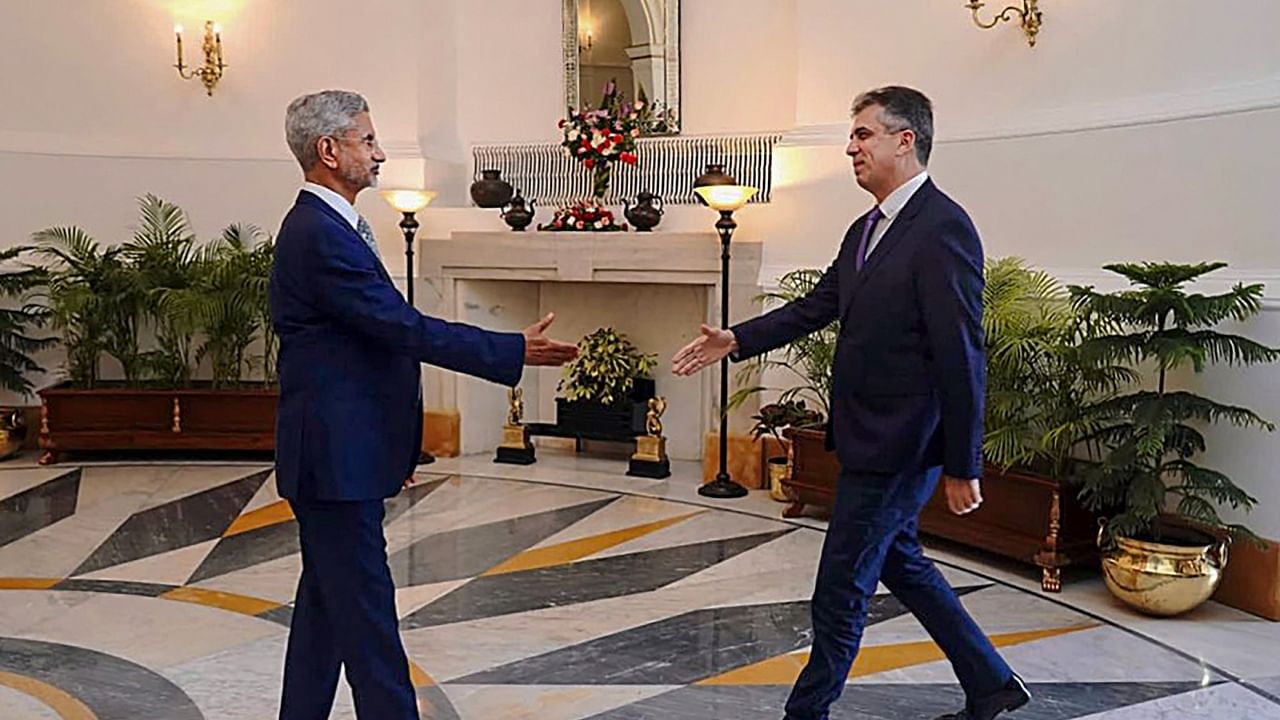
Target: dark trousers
872, 537
345, 616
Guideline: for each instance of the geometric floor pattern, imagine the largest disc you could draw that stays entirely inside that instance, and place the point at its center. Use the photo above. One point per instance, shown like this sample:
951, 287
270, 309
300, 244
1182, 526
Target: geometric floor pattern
164, 591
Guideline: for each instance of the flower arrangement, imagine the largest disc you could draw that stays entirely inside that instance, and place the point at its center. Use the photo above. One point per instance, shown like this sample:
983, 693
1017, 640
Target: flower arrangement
600, 138
584, 215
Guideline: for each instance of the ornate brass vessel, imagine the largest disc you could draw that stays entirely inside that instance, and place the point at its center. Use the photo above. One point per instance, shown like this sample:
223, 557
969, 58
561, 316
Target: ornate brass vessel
1162, 579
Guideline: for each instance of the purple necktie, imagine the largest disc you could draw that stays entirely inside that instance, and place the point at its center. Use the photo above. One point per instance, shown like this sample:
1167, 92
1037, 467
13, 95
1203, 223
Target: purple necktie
868, 227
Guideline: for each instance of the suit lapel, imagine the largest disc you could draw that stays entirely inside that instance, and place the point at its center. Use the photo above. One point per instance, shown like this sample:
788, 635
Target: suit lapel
311, 200
901, 225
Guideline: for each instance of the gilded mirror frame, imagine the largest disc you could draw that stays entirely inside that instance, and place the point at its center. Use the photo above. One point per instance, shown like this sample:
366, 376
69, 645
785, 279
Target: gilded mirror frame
671, 65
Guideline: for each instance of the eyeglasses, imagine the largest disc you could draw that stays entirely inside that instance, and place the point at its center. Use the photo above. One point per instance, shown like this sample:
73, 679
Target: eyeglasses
368, 141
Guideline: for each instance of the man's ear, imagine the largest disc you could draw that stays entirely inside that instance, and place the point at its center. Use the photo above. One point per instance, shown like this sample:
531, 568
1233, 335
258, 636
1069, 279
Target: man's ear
907, 142
327, 151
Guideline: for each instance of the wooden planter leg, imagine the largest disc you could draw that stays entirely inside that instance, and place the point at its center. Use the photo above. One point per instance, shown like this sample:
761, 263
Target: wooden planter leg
1051, 579
794, 510
50, 455
1051, 575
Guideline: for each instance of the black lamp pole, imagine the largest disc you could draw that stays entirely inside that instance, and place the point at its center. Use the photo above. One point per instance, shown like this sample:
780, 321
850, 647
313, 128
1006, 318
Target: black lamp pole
409, 226
724, 486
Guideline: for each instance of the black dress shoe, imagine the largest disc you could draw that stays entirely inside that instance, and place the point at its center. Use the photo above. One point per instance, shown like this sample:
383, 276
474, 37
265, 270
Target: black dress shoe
1007, 699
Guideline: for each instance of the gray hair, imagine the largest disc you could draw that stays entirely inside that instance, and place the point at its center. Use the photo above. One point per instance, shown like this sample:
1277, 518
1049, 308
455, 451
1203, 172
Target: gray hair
902, 108
323, 114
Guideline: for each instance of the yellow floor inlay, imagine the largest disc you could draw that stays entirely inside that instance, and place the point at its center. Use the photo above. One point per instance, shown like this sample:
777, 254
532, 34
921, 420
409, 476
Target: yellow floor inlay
225, 601
567, 552
418, 676
28, 583
273, 514
785, 669
66, 705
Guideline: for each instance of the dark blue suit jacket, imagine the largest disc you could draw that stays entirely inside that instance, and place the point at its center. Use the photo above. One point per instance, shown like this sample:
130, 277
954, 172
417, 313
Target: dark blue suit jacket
910, 369
349, 424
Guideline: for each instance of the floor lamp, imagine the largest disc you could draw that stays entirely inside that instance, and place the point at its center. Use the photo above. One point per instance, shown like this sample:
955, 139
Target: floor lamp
724, 199
409, 202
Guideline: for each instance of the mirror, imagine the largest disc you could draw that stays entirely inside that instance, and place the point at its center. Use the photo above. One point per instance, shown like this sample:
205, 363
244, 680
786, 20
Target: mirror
635, 43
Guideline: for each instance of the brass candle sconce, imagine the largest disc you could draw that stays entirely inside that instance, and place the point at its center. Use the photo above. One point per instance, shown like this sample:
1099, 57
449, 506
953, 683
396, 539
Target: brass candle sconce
213, 67
1029, 16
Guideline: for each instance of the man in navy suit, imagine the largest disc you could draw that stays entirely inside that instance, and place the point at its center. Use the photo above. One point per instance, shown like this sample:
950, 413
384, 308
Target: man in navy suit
906, 404
349, 424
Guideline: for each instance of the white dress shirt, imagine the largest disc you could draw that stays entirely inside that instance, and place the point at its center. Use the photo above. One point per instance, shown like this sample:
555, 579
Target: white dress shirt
893, 205
335, 201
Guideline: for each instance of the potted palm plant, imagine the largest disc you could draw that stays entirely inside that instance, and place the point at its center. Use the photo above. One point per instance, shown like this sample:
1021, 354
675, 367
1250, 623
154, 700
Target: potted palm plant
1036, 425
606, 388
1162, 551
18, 342
159, 305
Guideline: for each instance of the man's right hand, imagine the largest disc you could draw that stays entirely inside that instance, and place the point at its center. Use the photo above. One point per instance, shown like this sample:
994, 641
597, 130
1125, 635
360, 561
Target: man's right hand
706, 349
542, 350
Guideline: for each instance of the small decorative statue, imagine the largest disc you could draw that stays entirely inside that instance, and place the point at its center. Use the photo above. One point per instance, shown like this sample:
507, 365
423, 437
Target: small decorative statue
653, 419
515, 448
515, 398
650, 459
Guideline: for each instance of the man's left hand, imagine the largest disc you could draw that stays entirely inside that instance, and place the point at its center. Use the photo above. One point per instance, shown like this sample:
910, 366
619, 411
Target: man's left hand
409, 481
963, 495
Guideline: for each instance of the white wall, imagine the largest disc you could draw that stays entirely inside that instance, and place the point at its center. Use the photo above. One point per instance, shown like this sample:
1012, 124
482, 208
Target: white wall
1143, 129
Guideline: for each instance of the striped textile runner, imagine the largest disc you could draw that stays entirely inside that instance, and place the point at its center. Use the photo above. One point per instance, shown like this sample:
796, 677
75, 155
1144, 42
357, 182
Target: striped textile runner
667, 167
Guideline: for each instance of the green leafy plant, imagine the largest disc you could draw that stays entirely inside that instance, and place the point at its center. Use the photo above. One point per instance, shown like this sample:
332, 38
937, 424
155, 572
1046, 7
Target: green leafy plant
231, 294
605, 369
16, 324
197, 302
1151, 435
808, 358
1039, 388
776, 417
163, 255
79, 275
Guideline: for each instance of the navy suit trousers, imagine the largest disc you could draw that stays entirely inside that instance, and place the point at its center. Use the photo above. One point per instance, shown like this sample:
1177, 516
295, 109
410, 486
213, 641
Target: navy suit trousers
872, 538
345, 616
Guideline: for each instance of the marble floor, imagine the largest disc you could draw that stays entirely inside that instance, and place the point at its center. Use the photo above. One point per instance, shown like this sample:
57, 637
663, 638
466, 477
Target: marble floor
564, 590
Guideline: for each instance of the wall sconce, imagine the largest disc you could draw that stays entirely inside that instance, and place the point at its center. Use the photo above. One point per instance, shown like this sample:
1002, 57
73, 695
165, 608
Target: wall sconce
584, 38
211, 73
1029, 15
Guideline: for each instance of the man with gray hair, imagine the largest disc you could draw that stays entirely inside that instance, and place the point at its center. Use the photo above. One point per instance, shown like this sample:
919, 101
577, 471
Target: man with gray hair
349, 420
906, 404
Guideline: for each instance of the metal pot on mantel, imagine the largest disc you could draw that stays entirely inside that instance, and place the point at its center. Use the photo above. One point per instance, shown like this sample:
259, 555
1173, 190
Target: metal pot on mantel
491, 191
644, 215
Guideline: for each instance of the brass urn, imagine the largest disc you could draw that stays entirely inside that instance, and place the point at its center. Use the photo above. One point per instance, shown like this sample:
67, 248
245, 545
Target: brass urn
1160, 578
779, 474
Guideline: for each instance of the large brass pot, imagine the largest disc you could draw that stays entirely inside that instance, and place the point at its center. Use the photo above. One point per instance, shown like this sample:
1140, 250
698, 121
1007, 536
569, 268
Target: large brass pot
13, 432
779, 473
1160, 578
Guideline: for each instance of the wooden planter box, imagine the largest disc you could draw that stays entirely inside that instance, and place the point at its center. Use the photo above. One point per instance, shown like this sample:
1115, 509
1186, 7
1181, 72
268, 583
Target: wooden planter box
814, 472
621, 421
144, 419
1027, 517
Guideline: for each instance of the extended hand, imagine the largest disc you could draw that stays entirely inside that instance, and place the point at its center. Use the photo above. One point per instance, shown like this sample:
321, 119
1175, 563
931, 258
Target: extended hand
963, 496
707, 349
542, 350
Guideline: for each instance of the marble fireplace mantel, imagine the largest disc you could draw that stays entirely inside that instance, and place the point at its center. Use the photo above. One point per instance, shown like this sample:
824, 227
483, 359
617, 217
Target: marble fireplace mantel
656, 287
